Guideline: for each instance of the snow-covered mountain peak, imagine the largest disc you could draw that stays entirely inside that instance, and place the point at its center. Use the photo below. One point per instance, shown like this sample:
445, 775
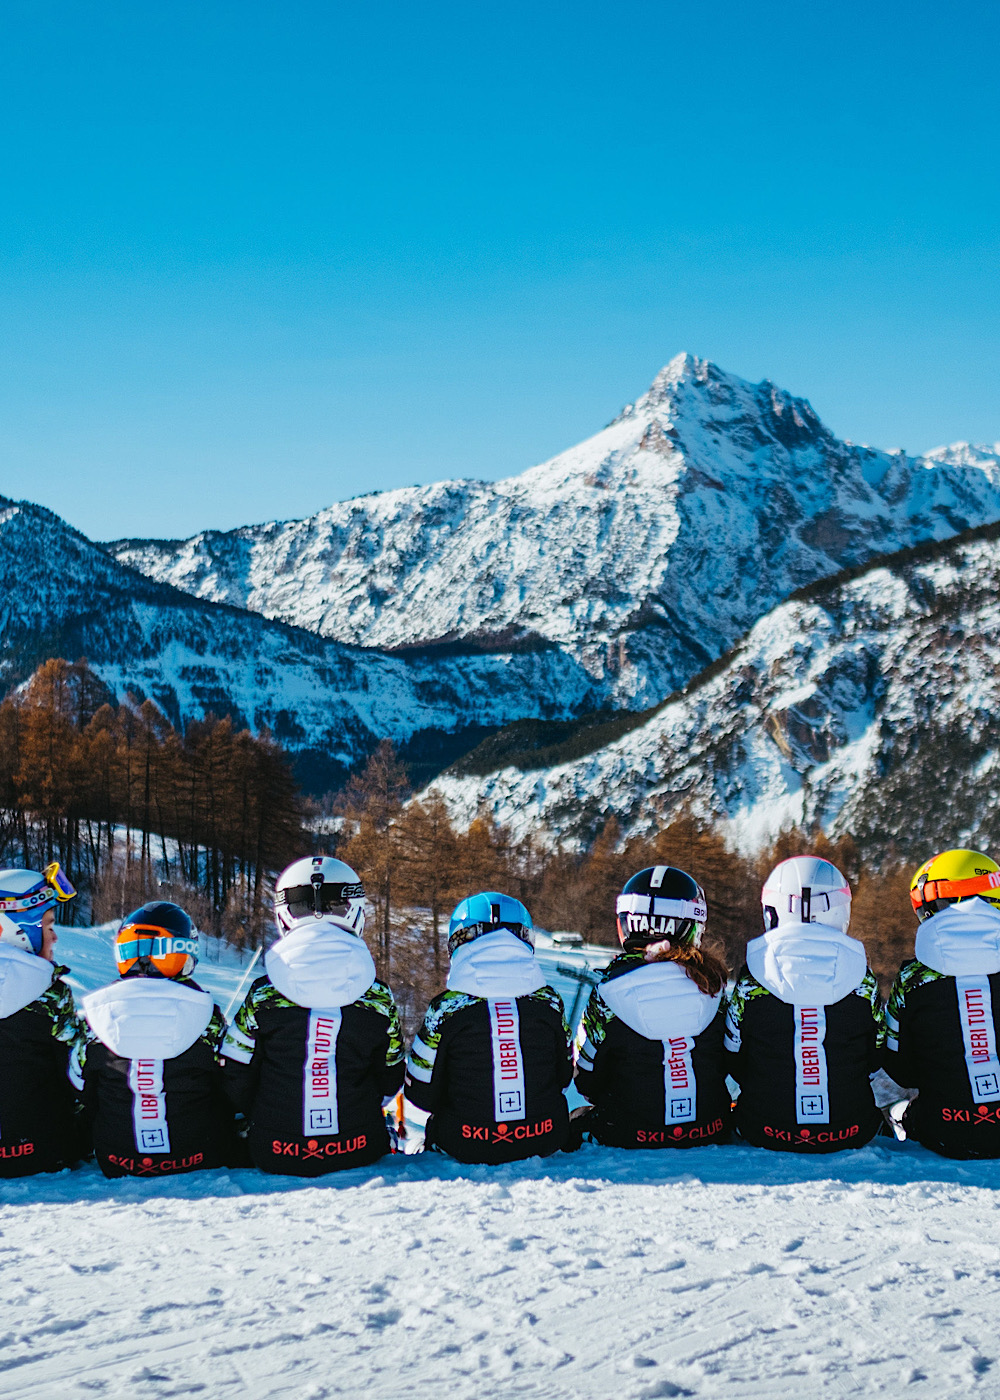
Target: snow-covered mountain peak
967, 454
643, 552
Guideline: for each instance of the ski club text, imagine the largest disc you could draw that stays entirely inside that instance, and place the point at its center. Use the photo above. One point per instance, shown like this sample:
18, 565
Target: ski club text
982, 1114
503, 1132
20, 1149
313, 1148
808, 1137
145, 1166
650, 1137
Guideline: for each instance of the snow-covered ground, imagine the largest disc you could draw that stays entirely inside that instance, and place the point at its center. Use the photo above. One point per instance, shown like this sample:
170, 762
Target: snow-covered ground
720, 1271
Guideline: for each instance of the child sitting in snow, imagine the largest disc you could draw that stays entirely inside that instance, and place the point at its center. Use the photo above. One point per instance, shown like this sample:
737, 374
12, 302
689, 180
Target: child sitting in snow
153, 1090
805, 1027
941, 1038
492, 1058
41, 1038
316, 1049
649, 1052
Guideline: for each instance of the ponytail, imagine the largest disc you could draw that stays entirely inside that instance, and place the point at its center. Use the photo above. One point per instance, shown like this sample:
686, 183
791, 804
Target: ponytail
705, 967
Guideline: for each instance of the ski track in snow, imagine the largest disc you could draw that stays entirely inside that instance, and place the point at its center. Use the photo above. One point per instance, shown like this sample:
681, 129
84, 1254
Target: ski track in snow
717, 1271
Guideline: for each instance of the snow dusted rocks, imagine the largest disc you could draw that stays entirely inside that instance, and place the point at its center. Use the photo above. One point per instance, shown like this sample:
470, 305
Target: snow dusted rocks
866, 704
643, 553
61, 595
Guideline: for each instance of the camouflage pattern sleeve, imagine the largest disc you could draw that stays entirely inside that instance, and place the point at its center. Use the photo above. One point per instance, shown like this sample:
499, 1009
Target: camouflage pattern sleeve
593, 1029
56, 1003
550, 997
215, 1032
241, 1036
379, 998
745, 990
427, 1041
868, 991
910, 976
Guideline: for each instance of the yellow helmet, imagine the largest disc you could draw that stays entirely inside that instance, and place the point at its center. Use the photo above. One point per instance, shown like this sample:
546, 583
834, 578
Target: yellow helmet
951, 876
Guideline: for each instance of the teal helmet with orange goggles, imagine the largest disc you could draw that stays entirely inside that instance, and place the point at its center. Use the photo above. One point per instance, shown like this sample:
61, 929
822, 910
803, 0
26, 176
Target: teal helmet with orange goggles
157, 940
25, 898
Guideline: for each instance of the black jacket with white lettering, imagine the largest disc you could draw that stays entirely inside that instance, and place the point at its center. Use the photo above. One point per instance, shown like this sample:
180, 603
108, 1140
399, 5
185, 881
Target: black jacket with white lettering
802, 969
957, 1110
311, 1112
650, 1058
41, 1047
451, 1070
153, 1095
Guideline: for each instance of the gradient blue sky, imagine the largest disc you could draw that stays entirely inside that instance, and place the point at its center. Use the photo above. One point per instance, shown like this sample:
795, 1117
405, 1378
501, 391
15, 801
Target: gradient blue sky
258, 257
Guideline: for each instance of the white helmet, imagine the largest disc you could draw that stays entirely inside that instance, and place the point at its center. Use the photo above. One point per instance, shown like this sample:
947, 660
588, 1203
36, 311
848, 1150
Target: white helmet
806, 890
320, 887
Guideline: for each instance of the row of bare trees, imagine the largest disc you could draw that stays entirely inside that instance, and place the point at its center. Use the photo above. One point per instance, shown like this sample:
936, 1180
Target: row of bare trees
412, 857
130, 806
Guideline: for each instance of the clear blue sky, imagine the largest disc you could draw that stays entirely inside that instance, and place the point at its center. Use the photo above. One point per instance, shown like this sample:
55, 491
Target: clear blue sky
258, 257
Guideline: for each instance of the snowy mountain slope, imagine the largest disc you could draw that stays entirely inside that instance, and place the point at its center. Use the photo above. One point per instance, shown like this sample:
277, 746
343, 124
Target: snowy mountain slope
645, 552
866, 704
60, 595
726, 1273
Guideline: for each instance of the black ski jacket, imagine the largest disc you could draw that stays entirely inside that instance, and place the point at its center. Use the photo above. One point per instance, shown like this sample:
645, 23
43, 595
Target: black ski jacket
152, 1084
312, 1079
41, 1047
650, 1058
941, 1039
491, 1069
803, 1044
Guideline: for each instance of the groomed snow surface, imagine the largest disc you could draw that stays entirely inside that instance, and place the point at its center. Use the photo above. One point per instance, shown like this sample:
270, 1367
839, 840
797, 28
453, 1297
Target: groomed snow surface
720, 1271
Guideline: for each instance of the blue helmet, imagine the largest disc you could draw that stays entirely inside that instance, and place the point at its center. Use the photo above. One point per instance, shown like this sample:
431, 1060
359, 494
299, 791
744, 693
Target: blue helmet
25, 896
488, 913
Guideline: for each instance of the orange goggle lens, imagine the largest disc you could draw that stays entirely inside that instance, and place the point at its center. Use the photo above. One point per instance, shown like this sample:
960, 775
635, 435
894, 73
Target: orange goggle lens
932, 890
167, 952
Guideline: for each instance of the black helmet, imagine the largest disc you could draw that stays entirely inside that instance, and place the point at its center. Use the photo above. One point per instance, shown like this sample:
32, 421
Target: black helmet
660, 903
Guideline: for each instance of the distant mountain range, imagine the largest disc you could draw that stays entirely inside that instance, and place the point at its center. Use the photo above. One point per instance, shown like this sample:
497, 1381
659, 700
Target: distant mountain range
567, 601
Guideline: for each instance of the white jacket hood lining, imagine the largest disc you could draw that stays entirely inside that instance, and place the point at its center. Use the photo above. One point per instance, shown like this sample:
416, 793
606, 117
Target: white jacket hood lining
495, 965
148, 1018
807, 964
320, 964
961, 940
24, 977
660, 1001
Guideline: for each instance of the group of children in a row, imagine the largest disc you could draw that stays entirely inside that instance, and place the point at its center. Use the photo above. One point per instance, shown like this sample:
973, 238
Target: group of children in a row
151, 1079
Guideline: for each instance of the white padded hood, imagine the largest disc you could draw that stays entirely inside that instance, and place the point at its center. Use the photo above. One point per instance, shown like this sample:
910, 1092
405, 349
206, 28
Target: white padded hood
961, 940
495, 965
320, 964
148, 1018
23, 978
660, 1001
807, 964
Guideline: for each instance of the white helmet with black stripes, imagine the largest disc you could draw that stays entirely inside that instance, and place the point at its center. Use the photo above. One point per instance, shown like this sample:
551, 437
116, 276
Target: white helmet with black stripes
658, 904
320, 887
806, 890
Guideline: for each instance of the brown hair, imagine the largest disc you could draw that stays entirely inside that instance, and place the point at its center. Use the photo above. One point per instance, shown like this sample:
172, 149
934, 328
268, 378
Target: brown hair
705, 966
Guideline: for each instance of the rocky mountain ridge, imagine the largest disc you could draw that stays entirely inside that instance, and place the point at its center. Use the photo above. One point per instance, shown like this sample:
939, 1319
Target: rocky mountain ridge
866, 703
643, 553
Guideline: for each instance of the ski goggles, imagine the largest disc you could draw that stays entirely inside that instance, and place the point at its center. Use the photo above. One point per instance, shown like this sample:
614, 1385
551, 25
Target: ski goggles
811, 902
927, 891
661, 908
320, 897
136, 941
53, 888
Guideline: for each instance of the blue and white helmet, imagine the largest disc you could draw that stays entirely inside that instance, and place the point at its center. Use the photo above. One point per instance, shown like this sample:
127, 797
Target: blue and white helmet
489, 912
25, 897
